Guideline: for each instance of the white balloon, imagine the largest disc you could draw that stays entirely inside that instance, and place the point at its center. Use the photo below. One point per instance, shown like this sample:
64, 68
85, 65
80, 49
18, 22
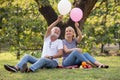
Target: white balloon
64, 7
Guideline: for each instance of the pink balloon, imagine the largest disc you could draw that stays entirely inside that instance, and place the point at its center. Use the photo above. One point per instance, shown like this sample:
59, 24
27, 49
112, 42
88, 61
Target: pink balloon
76, 14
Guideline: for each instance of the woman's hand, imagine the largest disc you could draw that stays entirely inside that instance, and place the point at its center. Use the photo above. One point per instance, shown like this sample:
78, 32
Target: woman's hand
79, 49
76, 24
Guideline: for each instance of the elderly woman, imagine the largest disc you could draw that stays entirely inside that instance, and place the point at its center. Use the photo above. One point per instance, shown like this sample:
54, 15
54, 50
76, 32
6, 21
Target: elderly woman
73, 55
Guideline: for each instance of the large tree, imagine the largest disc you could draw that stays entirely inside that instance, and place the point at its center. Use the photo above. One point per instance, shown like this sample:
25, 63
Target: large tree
50, 15
27, 23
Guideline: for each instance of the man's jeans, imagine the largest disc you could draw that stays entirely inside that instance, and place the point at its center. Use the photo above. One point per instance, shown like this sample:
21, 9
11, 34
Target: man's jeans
76, 58
37, 63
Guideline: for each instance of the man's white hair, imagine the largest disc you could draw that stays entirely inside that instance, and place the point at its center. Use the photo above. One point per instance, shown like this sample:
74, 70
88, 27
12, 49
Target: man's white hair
52, 30
55, 28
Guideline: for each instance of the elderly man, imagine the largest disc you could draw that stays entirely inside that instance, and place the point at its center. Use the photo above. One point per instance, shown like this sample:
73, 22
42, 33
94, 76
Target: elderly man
52, 49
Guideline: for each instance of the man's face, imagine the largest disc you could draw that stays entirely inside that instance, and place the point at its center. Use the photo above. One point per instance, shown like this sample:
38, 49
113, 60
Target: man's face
55, 32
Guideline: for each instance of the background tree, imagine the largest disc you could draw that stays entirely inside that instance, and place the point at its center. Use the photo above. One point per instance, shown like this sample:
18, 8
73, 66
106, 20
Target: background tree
103, 33
101, 26
23, 23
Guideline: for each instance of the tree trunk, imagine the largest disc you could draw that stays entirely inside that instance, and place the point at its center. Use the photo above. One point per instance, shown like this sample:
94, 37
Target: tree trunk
18, 54
102, 48
119, 45
0, 47
18, 36
50, 15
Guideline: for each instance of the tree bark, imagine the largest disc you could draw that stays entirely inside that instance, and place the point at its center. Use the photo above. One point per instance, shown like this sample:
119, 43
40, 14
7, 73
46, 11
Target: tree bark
102, 48
50, 15
119, 45
18, 54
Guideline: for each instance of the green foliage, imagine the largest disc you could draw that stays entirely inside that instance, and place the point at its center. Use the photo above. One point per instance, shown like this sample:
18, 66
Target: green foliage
22, 25
102, 26
35, 53
44, 2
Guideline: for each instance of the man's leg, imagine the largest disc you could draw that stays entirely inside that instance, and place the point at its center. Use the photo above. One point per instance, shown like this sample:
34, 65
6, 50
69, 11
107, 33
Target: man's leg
43, 62
71, 59
25, 59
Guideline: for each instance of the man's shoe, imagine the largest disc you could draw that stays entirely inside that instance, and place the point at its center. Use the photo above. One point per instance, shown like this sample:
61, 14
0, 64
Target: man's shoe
10, 68
24, 68
29, 70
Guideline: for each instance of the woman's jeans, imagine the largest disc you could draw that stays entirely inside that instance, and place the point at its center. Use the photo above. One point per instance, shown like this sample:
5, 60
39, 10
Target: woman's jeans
76, 58
37, 63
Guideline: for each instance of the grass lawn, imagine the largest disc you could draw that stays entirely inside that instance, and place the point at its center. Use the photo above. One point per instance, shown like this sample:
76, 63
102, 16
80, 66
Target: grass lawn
113, 73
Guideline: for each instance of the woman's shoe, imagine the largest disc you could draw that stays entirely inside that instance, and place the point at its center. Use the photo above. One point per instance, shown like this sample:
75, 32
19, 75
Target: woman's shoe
103, 66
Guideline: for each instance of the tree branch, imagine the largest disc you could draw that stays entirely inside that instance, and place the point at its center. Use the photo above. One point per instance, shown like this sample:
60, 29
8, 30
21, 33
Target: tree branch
47, 11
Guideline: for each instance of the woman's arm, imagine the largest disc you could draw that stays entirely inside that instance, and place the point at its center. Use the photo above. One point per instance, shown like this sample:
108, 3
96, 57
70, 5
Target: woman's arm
66, 50
79, 37
70, 50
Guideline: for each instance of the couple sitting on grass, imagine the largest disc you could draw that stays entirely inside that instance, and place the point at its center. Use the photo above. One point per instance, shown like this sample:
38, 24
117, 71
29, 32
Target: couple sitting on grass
55, 48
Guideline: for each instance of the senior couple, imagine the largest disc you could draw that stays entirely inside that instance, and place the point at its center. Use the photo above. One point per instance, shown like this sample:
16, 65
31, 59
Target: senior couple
55, 48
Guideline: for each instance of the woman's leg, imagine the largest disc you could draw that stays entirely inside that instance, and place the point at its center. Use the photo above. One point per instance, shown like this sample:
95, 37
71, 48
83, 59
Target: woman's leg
78, 62
89, 57
26, 58
43, 62
71, 59
92, 59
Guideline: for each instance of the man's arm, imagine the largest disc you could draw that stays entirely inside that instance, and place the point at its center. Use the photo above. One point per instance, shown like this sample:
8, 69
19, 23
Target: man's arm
48, 32
58, 55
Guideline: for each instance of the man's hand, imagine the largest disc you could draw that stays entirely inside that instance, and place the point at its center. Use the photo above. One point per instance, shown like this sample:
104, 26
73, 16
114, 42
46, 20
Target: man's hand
49, 57
59, 18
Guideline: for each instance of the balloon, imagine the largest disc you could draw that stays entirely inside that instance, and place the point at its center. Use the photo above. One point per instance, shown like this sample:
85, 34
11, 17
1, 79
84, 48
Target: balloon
64, 7
76, 14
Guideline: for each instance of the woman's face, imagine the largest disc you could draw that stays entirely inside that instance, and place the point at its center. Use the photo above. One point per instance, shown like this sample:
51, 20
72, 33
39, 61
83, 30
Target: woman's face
69, 33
